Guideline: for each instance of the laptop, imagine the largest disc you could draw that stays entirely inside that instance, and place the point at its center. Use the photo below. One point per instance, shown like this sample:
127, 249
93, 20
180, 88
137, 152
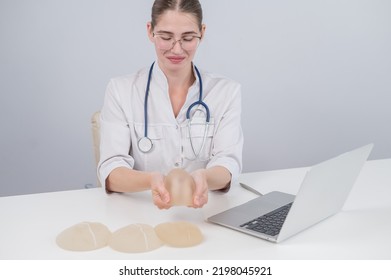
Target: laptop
277, 216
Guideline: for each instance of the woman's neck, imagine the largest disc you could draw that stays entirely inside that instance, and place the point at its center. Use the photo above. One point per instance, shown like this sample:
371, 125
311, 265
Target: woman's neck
179, 83
180, 79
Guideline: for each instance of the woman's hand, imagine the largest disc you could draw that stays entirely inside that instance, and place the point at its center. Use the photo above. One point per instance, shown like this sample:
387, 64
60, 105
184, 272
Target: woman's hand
200, 197
160, 195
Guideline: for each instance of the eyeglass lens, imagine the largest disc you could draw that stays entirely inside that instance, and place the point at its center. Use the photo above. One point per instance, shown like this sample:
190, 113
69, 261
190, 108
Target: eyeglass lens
168, 42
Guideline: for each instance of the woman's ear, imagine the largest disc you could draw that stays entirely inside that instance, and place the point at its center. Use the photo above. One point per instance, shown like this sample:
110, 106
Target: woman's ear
203, 28
150, 31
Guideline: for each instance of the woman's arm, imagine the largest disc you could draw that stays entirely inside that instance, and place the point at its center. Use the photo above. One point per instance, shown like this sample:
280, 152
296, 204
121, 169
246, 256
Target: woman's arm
213, 178
217, 177
124, 179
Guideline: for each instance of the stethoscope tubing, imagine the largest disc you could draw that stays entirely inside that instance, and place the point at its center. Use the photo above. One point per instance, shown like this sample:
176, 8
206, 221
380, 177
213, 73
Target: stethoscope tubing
145, 143
146, 101
199, 102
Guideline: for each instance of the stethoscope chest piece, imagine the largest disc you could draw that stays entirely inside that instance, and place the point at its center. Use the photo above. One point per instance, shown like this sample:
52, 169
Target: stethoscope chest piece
145, 144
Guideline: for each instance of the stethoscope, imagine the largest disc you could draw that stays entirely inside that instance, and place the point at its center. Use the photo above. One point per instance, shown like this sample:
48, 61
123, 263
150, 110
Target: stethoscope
145, 143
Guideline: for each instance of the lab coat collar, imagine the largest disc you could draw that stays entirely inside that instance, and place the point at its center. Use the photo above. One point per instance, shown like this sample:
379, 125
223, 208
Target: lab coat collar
159, 77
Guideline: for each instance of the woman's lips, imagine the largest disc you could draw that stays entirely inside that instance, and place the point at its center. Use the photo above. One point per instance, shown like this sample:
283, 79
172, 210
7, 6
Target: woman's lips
175, 59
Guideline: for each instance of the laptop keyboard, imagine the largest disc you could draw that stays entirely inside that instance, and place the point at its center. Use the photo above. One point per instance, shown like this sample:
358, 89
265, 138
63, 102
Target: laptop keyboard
271, 223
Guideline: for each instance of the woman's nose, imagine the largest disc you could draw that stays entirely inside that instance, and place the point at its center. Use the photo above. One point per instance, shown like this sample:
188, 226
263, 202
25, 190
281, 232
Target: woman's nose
177, 47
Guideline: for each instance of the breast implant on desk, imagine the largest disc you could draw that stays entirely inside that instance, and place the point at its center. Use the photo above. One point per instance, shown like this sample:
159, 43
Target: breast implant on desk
137, 238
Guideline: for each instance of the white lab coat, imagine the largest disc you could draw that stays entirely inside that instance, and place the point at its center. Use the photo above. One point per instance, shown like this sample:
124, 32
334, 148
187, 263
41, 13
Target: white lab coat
122, 125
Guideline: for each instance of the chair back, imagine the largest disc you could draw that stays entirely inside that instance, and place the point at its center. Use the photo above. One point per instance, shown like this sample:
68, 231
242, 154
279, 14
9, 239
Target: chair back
95, 125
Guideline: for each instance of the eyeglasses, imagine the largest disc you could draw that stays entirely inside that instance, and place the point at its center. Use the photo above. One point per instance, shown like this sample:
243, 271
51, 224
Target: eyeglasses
167, 42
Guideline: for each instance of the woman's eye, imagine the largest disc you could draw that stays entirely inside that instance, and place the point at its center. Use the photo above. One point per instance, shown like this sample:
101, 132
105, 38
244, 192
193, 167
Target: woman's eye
188, 38
166, 38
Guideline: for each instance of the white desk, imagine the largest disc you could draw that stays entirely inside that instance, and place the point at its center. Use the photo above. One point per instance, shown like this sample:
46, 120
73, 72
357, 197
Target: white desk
30, 223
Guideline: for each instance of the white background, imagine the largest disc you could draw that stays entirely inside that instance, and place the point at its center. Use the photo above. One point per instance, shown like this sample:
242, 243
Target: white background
315, 75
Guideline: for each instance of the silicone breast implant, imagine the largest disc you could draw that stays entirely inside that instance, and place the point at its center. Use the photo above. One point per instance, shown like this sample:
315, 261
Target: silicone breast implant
135, 238
181, 186
86, 236
179, 234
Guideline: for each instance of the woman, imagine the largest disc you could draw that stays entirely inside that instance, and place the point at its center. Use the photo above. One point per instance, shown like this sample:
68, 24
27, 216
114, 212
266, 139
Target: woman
147, 128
